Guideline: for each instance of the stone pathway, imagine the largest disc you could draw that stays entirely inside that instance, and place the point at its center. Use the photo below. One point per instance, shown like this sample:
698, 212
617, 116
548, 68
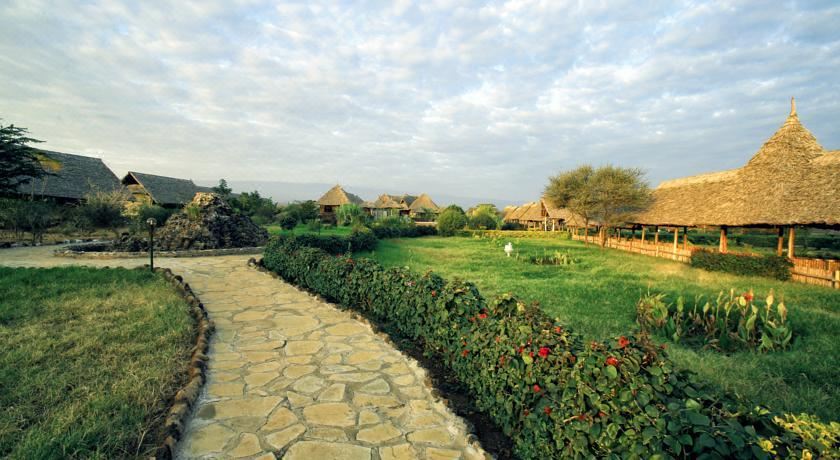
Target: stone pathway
292, 377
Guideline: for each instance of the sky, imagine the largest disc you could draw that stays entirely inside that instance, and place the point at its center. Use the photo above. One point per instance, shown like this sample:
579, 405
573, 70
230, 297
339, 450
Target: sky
479, 99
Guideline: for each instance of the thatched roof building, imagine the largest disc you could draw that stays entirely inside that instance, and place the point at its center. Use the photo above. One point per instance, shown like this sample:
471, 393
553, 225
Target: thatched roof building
161, 190
73, 177
422, 203
791, 180
337, 196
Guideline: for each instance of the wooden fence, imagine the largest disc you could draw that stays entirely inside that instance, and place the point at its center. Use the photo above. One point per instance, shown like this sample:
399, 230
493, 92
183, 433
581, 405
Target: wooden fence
648, 248
810, 271
817, 271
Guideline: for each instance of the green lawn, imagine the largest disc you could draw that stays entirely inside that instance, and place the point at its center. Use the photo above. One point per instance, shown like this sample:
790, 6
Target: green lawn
597, 297
89, 360
301, 229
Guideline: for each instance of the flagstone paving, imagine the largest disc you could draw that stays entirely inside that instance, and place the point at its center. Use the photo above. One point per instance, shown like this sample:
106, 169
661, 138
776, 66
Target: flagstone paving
296, 378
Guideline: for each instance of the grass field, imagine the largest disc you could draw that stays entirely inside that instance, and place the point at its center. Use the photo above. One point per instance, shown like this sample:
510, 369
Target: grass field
597, 298
89, 361
301, 229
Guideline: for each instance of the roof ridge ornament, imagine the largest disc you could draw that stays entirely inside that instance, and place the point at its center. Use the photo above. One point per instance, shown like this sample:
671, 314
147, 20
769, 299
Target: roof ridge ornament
792, 107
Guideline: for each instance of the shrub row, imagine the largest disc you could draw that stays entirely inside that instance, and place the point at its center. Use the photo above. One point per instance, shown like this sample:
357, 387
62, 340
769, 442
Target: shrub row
552, 393
728, 322
777, 267
393, 227
563, 235
360, 239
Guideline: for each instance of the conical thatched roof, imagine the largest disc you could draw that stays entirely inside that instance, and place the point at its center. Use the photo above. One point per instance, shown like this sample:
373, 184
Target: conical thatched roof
336, 196
422, 202
791, 180
386, 201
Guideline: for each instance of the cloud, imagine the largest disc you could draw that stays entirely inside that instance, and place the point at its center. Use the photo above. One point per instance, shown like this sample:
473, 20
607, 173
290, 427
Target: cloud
486, 99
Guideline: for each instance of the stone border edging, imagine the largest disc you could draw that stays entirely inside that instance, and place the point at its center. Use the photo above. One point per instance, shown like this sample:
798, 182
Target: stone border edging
469, 429
185, 399
133, 255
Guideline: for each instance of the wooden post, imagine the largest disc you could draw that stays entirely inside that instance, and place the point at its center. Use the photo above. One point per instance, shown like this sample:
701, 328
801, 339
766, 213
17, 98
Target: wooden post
836, 283
643, 233
791, 240
685, 237
656, 241
781, 243
676, 240
722, 247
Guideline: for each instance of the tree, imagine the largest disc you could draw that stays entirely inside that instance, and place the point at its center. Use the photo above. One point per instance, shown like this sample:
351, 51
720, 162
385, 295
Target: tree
451, 220
222, 189
19, 162
609, 195
302, 211
484, 216
350, 213
261, 210
104, 209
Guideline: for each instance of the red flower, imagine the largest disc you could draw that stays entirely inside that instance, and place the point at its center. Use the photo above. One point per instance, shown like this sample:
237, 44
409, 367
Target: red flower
482, 315
502, 360
601, 414
572, 359
520, 350
498, 339
611, 361
547, 410
531, 354
594, 345
544, 351
558, 329
623, 342
465, 353
748, 296
537, 388
527, 412
581, 417
434, 293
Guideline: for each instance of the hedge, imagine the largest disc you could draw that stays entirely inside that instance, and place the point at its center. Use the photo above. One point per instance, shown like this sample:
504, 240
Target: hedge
553, 393
361, 239
389, 229
777, 267
559, 235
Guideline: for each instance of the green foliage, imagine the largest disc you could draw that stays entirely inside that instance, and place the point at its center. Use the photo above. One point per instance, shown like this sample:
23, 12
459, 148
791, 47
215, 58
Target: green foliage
729, 322
552, 393
563, 235
451, 220
223, 190
19, 162
28, 216
193, 211
314, 226
397, 227
818, 437
261, 210
773, 266
89, 361
350, 214
483, 220
555, 258
286, 220
104, 209
358, 240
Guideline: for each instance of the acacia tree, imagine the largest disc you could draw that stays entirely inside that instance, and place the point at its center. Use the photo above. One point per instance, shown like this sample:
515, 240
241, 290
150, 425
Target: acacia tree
609, 194
19, 162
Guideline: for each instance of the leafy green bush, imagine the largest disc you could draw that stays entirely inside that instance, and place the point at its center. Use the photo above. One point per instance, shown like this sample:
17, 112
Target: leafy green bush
777, 267
450, 221
358, 240
483, 221
149, 211
287, 221
561, 235
552, 393
395, 227
555, 258
34, 217
350, 214
732, 322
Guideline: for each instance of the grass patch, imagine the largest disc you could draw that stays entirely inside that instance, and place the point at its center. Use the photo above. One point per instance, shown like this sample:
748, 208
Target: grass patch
303, 229
90, 359
597, 297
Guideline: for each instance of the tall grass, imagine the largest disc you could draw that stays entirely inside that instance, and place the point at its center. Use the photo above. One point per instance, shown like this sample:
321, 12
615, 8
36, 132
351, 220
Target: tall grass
597, 296
88, 362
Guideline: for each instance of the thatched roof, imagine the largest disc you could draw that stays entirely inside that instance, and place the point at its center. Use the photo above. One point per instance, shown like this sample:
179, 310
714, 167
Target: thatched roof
533, 213
337, 196
75, 177
563, 214
517, 213
791, 180
422, 202
386, 201
164, 190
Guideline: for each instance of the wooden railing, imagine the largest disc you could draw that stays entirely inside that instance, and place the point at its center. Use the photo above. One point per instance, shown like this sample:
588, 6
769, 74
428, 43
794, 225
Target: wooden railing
648, 248
817, 271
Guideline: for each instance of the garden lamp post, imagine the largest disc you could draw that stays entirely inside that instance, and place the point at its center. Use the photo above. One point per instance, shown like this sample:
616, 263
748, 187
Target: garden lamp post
151, 222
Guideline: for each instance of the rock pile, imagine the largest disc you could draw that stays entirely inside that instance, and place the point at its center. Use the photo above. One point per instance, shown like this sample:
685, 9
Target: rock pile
208, 222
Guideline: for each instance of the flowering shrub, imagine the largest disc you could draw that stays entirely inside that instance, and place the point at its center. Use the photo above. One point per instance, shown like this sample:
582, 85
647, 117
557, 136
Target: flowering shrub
728, 323
777, 267
552, 393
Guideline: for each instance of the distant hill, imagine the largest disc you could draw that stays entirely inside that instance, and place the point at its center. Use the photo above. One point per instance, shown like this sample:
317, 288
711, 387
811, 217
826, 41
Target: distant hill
285, 192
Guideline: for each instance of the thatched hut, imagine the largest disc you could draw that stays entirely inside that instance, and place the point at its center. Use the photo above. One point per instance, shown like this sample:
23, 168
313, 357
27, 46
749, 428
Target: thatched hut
169, 192
422, 206
333, 199
542, 215
72, 178
791, 181
384, 206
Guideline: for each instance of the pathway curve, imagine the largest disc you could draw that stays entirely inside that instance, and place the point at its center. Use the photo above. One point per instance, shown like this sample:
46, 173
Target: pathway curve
293, 377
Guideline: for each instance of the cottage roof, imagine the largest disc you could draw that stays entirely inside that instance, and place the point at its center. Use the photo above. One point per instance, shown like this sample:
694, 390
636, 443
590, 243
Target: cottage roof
74, 177
791, 180
337, 196
422, 202
162, 189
